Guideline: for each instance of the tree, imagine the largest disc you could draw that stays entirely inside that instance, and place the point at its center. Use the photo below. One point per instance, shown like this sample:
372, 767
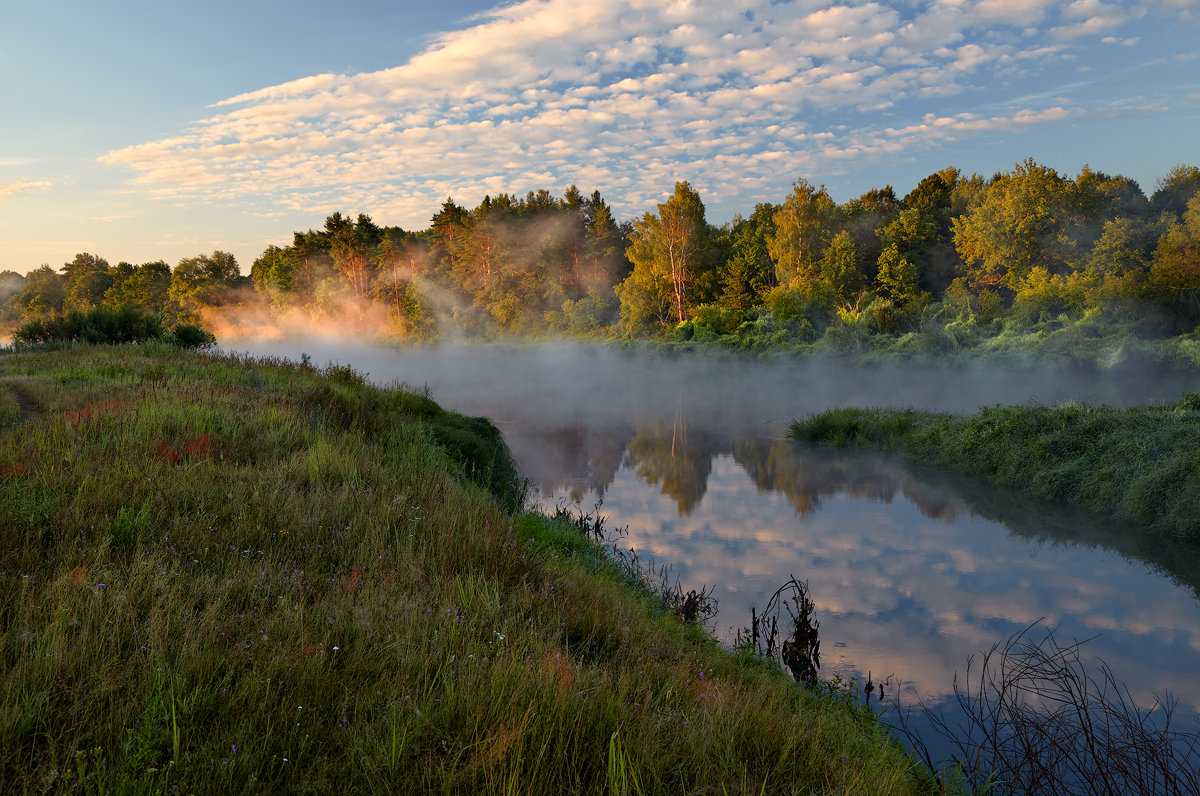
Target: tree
352, 245
896, 276
444, 229
865, 216
803, 227
41, 295
401, 259
1175, 190
11, 284
274, 274
922, 230
749, 271
934, 193
203, 281
1175, 271
309, 265
840, 268
1099, 196
1018, 225
668, 252
146, 286
603, 247
86, 279
1125, 245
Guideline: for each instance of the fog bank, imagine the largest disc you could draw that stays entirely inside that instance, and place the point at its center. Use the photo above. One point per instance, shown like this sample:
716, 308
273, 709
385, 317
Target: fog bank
552, 384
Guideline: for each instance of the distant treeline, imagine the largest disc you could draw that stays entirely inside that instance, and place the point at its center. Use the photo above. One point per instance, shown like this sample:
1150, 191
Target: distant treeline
1025, 247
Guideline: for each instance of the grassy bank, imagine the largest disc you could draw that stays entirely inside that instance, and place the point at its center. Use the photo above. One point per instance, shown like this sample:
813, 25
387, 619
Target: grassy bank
225, 575
1138, 465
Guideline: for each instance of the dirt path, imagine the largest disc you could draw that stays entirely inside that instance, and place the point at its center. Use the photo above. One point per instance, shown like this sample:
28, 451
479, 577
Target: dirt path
26, 405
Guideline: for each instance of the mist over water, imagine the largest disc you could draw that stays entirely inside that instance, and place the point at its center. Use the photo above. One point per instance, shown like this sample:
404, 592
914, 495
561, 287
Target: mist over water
561, 381
911, 570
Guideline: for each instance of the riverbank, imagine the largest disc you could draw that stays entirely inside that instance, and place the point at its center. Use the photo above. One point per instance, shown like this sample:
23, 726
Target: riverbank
228, 574
1136, 464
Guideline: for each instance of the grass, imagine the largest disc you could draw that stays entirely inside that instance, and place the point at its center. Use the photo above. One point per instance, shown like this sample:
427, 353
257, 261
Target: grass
222, 574
1137, 465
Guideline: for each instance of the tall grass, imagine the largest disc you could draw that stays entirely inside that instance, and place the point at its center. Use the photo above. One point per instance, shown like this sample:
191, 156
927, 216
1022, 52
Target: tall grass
1135, 464
222, 574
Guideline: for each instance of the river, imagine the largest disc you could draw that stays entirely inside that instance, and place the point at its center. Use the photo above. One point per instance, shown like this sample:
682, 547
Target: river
911, 570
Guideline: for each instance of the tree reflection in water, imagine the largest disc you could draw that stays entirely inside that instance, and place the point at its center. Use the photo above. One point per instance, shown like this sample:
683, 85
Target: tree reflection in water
911, 570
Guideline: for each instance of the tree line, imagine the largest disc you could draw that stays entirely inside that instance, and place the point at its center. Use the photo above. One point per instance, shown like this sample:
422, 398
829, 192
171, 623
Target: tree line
1024, 245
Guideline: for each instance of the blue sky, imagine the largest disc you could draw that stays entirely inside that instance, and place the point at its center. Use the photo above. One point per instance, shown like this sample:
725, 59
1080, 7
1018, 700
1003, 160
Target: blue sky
150, 130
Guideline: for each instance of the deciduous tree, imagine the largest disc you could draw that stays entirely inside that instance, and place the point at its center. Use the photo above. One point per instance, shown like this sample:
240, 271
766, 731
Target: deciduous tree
207, 280
804, 225
1018, 225
668, 252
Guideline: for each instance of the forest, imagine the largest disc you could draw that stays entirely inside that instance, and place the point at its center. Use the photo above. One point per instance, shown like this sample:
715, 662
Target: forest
1028, 257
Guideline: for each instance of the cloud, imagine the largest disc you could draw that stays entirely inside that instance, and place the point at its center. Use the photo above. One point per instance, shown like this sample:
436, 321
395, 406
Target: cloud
634, 95
11, 189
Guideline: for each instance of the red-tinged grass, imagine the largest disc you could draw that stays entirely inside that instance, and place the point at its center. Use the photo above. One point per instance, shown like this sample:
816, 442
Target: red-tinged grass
223, 575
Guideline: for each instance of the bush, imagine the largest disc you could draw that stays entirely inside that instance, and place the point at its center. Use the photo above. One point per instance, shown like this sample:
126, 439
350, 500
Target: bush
189, 335
129, 324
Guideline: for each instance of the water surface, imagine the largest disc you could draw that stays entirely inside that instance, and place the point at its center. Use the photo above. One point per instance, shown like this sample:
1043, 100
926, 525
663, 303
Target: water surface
911, 570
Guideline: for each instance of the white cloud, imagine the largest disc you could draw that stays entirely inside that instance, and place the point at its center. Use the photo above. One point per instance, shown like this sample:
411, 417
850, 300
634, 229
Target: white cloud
11, 189
629, 94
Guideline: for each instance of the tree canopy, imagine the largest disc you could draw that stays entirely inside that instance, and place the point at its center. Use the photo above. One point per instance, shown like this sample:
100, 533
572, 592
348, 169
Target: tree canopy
1029, 243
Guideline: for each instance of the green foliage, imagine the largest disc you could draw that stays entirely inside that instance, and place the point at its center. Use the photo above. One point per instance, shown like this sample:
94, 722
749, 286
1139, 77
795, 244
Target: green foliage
803, 226
41, 295
669, 252
1043, 295
840, 268
947, 268
204, 281
87, 279
1176, 189
102, 324
1019, 224
189, 335
896, 276
98, 325
1175, 271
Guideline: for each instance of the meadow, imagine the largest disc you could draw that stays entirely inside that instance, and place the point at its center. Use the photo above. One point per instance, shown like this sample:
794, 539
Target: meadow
226, 574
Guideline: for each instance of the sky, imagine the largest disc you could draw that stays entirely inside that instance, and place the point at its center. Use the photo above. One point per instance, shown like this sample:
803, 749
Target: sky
140, 130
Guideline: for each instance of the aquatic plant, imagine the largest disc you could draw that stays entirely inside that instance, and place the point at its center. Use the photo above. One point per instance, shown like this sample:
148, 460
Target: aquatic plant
1035, 717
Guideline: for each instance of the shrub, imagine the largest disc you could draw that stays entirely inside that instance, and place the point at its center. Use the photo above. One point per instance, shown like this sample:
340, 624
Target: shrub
129, 324
189, 335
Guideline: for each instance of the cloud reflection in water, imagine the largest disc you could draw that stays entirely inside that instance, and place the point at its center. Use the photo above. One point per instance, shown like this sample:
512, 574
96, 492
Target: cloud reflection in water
907, 578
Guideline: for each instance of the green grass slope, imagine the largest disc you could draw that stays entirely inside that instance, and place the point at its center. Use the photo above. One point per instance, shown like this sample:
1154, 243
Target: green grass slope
224, 575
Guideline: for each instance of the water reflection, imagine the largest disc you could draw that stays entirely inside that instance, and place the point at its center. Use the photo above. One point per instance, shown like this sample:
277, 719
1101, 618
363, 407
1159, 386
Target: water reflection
910, 570
910, 577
